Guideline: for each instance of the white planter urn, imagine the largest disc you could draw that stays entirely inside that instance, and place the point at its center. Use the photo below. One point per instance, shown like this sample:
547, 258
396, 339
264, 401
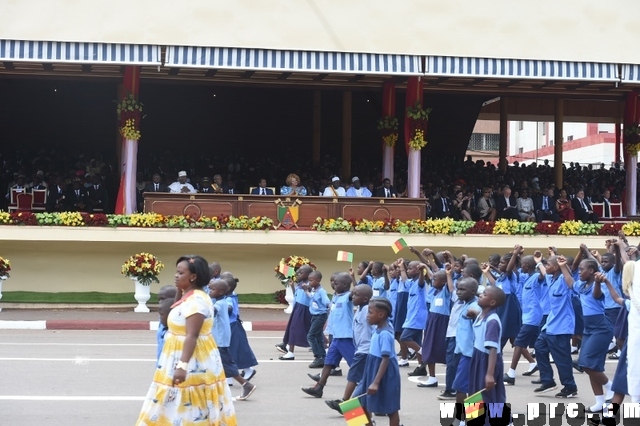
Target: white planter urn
2, 278
288, 296
142, 296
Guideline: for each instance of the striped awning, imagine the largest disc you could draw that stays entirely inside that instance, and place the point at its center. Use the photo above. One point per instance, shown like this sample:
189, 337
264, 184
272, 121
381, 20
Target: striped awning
631, 73
84, 53
520, 68
292, 61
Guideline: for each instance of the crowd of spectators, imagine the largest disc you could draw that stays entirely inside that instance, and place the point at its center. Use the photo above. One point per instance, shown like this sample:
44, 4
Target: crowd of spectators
471, 190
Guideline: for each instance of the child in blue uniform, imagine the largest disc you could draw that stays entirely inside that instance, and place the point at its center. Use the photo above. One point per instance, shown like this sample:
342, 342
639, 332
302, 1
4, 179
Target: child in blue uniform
555, 336
362, 331
166, 297
400, 313
380, 283
318, 308
486, 366
434, 344
392, 294
300, 318
381, 379
414, 324
598, 332
361, 276
534, 270
510, 312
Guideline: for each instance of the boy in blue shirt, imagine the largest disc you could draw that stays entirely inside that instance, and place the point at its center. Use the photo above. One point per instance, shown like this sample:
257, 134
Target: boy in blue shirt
416, 320
318, 309
166, 298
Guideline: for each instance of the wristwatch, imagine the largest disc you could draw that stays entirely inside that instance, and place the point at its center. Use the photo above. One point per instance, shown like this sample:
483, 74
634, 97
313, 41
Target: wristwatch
182, 365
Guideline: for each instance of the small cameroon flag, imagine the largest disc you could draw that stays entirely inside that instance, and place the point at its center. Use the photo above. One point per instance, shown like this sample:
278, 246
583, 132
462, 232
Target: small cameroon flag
399, 245
354, 413
345, 256
474, 406
287, 270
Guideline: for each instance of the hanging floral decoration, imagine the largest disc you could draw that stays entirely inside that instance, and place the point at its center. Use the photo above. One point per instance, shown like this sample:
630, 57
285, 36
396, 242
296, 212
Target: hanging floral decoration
419, 119
388, 128
633, 149
130, 113
632, 136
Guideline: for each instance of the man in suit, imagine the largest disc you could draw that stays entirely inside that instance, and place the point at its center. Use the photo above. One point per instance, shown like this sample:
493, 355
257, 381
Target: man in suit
156, 185
77, 198
582, 208
205, 186
97, 195
386, 190
606, 203
56, 196
442, 207
506, 205
545, 206
262, 188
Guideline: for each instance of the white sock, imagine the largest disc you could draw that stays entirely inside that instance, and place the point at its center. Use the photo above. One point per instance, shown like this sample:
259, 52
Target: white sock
619, 353
612, 345
600, 400
532, 365
574, 348
247, 372
608, 393
411, 351
230, 382
431, 380
635, 399
420, 352
289, 355
511, 373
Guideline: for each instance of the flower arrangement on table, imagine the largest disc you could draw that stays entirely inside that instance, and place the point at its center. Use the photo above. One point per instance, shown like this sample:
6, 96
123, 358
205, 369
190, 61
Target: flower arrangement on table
288, 266
130, 112
388, 127
419, 118
5, 267
143, 267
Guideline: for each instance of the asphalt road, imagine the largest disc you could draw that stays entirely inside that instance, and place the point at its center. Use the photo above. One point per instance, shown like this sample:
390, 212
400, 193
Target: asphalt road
88, 378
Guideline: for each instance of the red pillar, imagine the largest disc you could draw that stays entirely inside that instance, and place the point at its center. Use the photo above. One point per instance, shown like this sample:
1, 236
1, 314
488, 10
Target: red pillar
388, 110
415, 89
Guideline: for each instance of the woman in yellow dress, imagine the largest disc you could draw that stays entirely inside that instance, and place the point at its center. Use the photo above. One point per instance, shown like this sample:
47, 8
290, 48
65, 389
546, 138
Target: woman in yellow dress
189, 386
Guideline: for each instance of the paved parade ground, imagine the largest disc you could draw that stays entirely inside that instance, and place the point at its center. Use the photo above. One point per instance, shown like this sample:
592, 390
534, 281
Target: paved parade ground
81, 378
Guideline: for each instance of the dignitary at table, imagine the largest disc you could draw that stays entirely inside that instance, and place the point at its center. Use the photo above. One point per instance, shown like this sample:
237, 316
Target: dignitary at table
262, 188
386, 190
334, 190
97, 195
506, 205
292, 186
182, 186
156, 185
205, 186
357, 190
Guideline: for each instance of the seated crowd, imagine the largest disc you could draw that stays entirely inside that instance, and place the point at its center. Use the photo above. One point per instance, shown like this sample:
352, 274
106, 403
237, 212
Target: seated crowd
462, 190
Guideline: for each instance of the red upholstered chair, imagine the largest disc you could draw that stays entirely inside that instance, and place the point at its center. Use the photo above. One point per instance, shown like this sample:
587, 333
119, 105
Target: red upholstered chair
616, 210
25, 202
598, 208
39, 200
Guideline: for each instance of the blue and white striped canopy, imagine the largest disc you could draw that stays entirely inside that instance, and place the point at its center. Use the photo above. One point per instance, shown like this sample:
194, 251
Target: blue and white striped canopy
292, 61
520, 68
631, 73
84, 53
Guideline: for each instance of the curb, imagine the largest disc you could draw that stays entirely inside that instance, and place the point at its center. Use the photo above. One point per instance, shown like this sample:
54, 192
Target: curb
121, 325
107, 307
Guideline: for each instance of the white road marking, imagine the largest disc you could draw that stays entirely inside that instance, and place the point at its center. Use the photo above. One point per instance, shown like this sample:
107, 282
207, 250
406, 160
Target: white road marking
23, 325
69, 398
75, 344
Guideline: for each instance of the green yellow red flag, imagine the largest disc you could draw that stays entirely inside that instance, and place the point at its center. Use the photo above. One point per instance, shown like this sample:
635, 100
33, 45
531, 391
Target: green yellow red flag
399, 245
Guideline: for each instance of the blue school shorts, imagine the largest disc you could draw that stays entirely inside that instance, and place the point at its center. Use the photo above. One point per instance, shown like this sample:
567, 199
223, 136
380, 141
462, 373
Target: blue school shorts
527, 336
228, 364
356, 369
411, 335
461, 382
338, 349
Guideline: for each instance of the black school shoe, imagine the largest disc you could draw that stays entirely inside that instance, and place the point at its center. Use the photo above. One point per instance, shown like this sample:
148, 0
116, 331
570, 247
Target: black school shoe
530, 372
546, 388
336, 372
420, 370
334, 404
282, 348
508, 380
314, 391
317, 363
577, 367
567, 393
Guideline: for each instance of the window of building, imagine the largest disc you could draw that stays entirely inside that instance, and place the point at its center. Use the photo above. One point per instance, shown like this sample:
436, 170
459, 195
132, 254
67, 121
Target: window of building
520, 150
569, 138
484, 142
520, 125
551, 142
544, 128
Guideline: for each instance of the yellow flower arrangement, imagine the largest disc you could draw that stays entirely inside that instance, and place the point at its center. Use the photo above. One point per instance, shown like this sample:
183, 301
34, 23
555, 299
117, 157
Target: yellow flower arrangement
631, 229
417, 140
506, 227
390, 140
146, 220
70, 219
143, 267
633, 149
388, 127
5, 218
569, 227
129, 130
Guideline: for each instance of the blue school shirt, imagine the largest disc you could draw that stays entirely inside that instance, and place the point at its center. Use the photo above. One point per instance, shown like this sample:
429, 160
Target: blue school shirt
464, 328
441, 301
522, 278
319, 302
416, 306
561, 319
327, 327
392, 294
341, 316
544, 295
507, 282
300, 295
590, 305
531, 295
221, 325
162, 330
378, 287
382, 342
235, 308
615, 278
431, 291
362, 330
367, 280
487, 333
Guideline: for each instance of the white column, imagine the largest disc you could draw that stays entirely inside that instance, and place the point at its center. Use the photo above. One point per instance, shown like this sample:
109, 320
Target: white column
129, 170
413, 180
631, 167
387, 162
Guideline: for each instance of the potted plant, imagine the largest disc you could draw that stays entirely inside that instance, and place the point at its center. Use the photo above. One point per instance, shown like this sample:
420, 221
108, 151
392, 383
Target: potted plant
5, 267
142, 268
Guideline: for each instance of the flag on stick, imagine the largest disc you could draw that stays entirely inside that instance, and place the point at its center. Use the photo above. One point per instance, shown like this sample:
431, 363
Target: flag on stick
345, 256
287, 270
399, 245
354, 413
474, 406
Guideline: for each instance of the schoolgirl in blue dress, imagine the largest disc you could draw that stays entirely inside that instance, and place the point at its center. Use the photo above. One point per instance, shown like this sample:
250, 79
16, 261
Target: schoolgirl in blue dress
380, 280
361, 276
300, 319
392, 294
400, 312
381, 379
434, 347
510, 312
598, 332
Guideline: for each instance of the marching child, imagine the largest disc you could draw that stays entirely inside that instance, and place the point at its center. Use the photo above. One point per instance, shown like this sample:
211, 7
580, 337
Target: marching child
400, 313
362, 272
362, 331
222, 335
318, 309
414, 324
434, 345
341, 318
381, 281
534, 270
392, 294
166, 298
381, 379
300, 318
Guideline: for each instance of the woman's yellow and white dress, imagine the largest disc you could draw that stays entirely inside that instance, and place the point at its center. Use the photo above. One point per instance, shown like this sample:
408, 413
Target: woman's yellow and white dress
204, 398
